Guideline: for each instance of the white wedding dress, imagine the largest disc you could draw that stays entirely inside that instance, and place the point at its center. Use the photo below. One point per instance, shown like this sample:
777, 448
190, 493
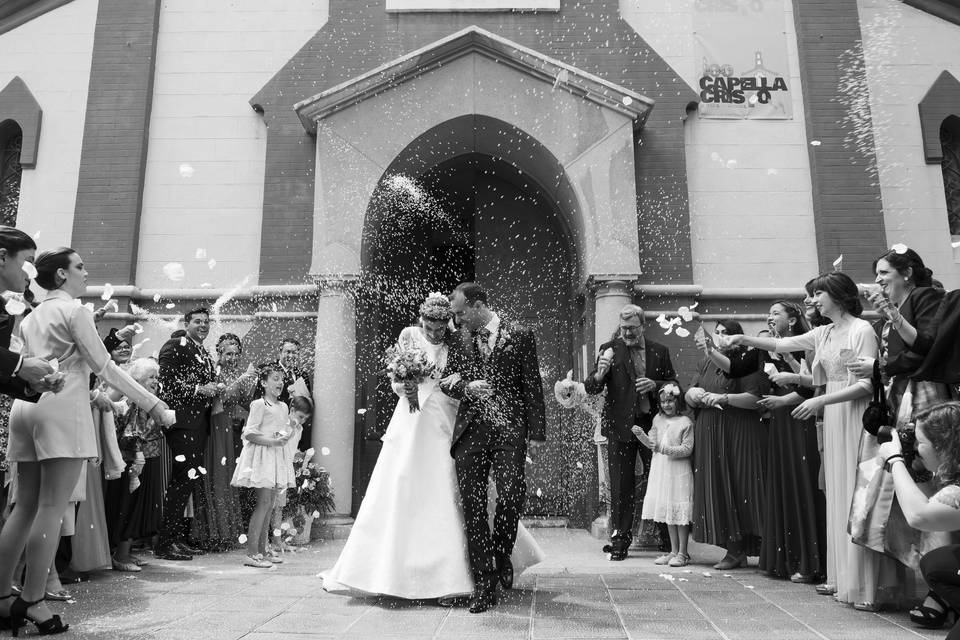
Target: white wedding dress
408, 540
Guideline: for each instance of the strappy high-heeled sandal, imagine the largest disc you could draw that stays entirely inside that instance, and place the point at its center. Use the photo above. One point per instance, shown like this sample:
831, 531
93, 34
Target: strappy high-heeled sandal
19, 618
5, 620
929, 617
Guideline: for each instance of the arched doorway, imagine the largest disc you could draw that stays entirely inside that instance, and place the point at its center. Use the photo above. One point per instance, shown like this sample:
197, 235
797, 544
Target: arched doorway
476, 218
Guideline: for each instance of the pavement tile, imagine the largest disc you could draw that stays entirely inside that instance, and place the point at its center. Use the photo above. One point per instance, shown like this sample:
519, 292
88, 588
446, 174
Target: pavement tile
574, 610
677, 629
412, 621
487, 624
305, 623
659, 611
577, 628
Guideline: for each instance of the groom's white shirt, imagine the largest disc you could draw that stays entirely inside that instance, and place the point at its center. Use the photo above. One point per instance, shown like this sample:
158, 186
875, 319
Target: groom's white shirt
494, 328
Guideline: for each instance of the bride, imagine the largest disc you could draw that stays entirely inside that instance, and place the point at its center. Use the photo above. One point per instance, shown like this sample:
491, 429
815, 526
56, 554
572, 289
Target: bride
409, 539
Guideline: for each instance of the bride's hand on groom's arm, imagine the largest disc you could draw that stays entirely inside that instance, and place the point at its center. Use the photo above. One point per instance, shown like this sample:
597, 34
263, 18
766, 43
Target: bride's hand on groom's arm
479, 389
450, 381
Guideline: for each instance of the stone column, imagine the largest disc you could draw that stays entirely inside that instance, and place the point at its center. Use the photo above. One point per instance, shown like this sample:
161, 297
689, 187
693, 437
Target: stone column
610, 295
334, 388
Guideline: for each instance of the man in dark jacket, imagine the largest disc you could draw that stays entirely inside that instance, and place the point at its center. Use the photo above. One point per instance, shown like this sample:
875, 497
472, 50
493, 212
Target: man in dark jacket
187, 379
631, 368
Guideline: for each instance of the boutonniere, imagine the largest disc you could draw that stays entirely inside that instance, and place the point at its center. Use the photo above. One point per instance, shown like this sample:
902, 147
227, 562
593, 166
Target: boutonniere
503, 339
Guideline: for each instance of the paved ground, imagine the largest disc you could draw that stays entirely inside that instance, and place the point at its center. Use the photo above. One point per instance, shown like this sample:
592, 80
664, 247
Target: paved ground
576, 593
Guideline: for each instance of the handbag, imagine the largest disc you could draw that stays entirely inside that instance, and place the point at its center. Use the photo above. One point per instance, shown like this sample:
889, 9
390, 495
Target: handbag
877, 413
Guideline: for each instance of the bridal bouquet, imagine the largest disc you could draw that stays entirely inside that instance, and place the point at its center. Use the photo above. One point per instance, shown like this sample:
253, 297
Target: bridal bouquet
407, 363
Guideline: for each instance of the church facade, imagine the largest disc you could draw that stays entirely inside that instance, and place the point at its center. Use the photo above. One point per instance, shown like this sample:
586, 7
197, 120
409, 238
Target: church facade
315, 167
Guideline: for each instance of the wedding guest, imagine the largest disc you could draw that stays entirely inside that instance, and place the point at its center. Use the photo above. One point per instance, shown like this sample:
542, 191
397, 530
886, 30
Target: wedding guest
855, 574
730, 456
265, 463
300, 409
218, 521
794, 541
630, 368
187, 383
669, 498
904, 294
296, 381
134, 502
938, 446
50, 439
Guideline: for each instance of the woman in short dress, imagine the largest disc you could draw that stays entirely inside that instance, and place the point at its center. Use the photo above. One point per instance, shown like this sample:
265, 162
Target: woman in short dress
50, 440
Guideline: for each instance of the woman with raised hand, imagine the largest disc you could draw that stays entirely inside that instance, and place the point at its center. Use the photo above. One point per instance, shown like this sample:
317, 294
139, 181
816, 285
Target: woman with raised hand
855, 574
50, 440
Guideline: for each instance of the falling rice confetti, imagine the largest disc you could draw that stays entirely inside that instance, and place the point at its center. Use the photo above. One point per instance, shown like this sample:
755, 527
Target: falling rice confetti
681, 332
156, 297
223, 460
667, 576
191, 473
316, 514
107, 291
899, 248
815, 143
579, 465
181, 458
183, 341
324, 451
242, 538
748, 586
627, 101
276, 533
361, 411
211, 263
200, 254
202, 470
285, 526
539, 493
170, 305
529, 460
15, 306
838, 263
30, 270
186, 171
174, 271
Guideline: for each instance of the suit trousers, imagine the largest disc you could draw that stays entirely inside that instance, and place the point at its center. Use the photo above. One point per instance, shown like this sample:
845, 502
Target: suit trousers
941, 570
481, 452
621, 465
189, 443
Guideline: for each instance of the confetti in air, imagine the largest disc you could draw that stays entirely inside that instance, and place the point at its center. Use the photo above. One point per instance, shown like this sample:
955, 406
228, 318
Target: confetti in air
191, 473
815, 143
838, 263
30, 270
242, 538
201, 254
181, 458
107, 291
324, 451
173, 271
186, 171
899, 248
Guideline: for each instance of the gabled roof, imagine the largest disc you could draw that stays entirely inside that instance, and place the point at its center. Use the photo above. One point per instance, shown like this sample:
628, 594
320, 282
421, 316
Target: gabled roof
470, 40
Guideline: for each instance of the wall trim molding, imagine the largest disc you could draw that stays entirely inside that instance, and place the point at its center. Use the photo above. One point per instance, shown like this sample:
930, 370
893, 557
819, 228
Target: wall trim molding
948, 10
14, 13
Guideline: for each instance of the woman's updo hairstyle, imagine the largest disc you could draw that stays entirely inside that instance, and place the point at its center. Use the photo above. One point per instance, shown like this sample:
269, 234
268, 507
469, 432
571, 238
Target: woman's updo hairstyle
14, 240
904, 260
48, 263
436, 308
841, 290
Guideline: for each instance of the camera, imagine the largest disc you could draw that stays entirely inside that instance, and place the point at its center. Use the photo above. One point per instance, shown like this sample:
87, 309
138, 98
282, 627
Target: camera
908, 442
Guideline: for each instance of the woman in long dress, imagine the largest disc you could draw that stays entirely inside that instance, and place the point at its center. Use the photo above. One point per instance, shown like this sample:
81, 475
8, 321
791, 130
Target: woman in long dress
729, 457
855, 574
409, 540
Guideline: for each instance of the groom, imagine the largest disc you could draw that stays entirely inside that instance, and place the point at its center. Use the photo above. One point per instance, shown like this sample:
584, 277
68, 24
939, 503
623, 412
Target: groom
503, 410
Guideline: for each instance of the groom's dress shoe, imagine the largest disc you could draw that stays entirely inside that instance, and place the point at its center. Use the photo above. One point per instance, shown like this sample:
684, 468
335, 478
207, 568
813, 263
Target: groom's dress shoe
171, 552
505, 571
183, 547
484, 597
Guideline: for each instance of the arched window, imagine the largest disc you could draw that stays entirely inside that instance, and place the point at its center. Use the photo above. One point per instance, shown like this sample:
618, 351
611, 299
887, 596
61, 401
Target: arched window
11, 142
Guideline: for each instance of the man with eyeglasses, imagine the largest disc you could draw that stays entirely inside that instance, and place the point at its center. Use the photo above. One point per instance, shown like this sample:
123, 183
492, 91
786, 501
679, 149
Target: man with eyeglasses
631, 368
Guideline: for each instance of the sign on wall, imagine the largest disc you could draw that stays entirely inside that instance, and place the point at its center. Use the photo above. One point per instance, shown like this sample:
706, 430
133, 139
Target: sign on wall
743, 51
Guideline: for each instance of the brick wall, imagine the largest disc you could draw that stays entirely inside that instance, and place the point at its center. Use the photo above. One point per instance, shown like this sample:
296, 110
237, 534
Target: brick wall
106, 223
846, 195
361, 35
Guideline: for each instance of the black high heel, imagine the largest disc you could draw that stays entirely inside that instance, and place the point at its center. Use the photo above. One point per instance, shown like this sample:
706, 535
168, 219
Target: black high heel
928, 616
5, 620
19, 617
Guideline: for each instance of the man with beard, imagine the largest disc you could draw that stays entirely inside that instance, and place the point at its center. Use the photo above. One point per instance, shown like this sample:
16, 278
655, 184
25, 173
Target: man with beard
631, 368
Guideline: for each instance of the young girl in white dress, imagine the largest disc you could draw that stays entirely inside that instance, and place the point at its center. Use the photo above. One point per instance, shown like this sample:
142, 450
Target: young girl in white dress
669, 496
265, 462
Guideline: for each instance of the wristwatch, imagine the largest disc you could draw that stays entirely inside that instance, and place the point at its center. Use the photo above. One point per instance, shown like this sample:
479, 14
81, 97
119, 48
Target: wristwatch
888, 463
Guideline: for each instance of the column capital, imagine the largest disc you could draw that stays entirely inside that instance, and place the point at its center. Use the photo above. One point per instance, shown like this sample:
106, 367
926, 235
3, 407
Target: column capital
336, 284
611, 284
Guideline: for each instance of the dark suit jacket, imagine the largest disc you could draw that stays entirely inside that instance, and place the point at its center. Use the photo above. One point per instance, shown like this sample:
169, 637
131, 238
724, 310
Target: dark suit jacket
513, 372
919, 309
620, 382
289, 377
182, 368
10, 384
940, 343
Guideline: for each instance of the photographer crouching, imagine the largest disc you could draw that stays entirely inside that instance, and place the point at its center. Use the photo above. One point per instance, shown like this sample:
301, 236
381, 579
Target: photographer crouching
938, 445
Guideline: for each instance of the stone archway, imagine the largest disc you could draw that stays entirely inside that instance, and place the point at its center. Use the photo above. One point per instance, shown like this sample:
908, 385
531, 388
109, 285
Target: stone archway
570, 135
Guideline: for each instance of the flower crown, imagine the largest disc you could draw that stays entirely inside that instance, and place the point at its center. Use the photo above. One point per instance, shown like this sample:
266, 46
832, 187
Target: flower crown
670, 389
436, 307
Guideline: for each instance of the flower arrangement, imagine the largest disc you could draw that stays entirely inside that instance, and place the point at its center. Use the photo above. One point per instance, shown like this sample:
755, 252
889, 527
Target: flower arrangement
313, 495
407, 363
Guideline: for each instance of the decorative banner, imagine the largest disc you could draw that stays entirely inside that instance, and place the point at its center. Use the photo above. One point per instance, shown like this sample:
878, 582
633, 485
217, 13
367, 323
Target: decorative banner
742, 47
